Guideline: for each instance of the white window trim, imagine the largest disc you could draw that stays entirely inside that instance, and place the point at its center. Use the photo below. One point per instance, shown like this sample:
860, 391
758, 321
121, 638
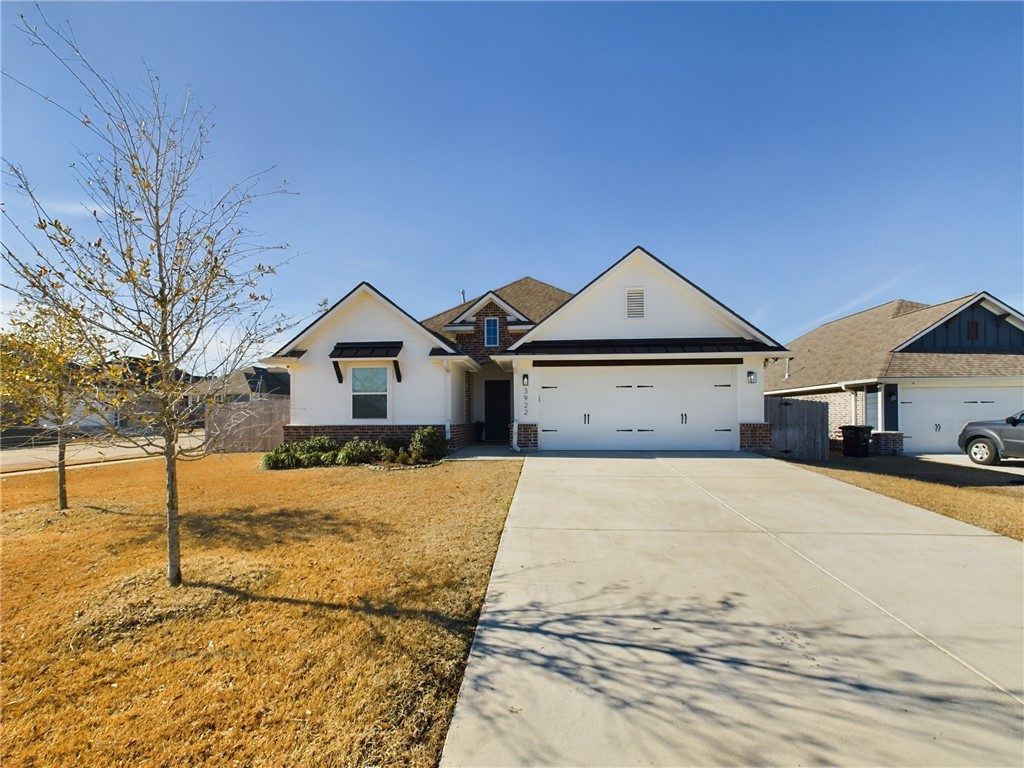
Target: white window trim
388, 392
497, 332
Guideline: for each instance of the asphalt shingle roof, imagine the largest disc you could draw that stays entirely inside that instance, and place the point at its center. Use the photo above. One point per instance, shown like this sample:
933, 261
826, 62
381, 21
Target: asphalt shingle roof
532, 298
860, 347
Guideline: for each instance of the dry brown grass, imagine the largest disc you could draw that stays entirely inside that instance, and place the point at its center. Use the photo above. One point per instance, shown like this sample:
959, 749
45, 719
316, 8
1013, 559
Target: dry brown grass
981, 497
326, 618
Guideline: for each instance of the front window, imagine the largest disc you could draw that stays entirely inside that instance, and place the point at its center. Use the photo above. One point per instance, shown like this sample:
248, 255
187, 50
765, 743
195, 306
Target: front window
369, 393
490, 331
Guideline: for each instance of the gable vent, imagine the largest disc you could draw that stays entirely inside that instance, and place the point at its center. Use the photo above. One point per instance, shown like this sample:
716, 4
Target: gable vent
634, 303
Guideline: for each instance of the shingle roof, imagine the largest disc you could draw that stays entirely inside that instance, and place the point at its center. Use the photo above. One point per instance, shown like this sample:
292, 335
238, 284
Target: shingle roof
532, 298
860, 347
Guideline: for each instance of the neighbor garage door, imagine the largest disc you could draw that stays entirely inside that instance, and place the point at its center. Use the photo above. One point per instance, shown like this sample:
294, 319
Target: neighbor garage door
931, 417
638, 408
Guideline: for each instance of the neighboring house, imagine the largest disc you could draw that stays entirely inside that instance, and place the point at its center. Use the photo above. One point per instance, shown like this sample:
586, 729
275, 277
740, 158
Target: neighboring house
253, 383
911, 368
640, 358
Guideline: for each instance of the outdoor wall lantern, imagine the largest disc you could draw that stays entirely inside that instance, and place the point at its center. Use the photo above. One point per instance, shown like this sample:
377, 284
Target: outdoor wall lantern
751, 377
526, 379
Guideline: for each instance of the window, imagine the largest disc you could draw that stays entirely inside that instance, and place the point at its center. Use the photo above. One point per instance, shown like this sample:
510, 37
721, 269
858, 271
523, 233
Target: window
972, 330
369, 393
490, 331
634, 303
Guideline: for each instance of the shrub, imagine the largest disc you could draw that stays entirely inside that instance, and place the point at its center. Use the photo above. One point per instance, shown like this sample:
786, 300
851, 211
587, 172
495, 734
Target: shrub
283, 457
428, 444
357, 451
318, 444
390, 455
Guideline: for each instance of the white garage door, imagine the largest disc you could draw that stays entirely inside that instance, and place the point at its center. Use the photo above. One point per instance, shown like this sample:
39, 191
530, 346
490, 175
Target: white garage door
638, 408
931, 417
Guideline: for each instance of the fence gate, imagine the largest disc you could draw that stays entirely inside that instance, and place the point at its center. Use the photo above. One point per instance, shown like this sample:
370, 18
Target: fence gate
257, 425
799, 428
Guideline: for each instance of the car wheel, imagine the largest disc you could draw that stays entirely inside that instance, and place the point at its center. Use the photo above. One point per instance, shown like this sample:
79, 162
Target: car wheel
983, 451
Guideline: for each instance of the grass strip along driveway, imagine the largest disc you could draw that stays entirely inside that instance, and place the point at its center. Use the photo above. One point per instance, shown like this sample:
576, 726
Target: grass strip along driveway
325, 620
982, 497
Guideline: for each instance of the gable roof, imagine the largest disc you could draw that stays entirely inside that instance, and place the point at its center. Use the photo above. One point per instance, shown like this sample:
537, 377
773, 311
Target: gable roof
363, 287
864, 347
530, 298
641, 251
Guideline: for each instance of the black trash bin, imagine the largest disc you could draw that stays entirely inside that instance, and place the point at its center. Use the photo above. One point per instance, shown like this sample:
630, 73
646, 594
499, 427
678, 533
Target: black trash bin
856, 440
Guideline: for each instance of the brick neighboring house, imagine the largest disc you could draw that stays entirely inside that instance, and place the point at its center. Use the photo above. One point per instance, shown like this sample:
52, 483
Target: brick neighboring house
638, 359
914, 372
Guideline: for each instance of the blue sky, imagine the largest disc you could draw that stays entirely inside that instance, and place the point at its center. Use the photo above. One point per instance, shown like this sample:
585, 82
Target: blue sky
799, 161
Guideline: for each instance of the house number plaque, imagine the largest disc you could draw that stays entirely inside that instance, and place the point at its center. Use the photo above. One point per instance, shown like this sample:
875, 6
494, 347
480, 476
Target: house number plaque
526, 401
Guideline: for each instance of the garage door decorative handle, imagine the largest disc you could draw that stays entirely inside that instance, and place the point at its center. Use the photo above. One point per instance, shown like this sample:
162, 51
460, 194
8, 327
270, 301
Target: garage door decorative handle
586, 418
682, 418
938, 427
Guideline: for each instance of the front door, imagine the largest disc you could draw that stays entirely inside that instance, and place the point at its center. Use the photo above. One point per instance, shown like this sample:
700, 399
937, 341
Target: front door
497, 409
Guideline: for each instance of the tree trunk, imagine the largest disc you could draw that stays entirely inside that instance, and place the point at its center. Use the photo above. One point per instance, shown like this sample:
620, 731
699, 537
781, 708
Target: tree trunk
62, 487
173, 539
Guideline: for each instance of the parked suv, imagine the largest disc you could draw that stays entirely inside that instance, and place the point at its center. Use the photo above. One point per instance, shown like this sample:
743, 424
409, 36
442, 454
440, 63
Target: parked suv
986, 442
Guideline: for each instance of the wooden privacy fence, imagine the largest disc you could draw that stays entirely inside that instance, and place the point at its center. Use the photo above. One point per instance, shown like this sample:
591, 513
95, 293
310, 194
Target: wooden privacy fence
799, 428
257, 425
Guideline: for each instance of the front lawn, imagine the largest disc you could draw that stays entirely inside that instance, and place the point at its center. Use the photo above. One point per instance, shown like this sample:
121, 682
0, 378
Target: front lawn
981, 497
326, 617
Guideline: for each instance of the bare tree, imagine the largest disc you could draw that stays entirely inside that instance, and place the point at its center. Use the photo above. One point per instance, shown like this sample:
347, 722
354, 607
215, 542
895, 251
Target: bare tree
171, 278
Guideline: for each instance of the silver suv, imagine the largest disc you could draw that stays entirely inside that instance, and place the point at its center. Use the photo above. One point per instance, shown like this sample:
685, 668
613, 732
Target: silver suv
986, 442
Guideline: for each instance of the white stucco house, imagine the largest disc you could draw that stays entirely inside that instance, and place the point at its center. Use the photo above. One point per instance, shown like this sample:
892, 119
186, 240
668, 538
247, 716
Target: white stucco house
640, 358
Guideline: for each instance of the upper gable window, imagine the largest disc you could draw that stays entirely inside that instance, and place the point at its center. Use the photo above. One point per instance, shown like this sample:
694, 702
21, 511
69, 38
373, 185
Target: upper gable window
972, 330
490, 331
634, 303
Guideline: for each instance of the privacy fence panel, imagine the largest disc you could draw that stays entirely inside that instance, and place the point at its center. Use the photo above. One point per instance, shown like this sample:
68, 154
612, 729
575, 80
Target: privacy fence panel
257, 425
799, 428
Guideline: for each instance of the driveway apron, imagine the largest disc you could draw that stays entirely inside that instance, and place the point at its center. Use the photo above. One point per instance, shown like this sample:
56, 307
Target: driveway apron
726, 609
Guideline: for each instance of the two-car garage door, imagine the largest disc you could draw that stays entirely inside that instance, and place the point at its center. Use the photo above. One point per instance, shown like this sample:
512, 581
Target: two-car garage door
669, 407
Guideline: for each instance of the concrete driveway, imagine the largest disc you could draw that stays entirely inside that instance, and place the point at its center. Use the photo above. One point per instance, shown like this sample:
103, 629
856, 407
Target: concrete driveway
687, 609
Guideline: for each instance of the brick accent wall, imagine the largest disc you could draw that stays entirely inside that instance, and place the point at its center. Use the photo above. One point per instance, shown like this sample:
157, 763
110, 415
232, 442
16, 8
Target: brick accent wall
527, 437
886, 443
756, 437
473, 343
840, 410
462, 434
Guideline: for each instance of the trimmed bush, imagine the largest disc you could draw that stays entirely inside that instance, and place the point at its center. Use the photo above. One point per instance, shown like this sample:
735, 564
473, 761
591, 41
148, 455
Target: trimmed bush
428, 444
319, 444
357, 451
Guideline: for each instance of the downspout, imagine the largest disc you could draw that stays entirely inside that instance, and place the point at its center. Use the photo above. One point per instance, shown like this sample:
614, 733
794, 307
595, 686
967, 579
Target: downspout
515, 437
447, 400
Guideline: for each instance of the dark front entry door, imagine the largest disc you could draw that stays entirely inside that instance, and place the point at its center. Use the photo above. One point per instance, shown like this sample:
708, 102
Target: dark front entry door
497, 409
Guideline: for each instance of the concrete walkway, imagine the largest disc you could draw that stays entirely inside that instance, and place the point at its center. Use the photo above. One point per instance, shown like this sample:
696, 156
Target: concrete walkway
688, 609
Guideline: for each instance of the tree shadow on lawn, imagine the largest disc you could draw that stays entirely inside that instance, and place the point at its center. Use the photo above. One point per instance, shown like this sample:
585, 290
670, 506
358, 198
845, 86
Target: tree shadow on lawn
913, 468
250, 528
703, 683
460, 626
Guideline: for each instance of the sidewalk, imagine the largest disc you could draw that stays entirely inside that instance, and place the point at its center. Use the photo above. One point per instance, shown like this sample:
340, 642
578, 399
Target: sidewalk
83, 452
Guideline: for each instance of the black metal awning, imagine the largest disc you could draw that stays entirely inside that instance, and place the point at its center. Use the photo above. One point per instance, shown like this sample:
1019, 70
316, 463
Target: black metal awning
369, 350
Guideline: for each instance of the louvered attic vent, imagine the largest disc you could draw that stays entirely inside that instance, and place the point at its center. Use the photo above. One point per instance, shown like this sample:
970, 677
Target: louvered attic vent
634, 303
